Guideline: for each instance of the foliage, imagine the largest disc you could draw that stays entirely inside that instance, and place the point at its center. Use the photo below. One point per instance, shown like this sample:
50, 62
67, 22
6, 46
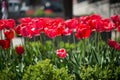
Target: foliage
69, 44
109, 72
44, 70
7, 74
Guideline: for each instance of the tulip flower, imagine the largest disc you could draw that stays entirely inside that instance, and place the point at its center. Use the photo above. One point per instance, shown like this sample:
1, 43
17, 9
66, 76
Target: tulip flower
113, 44
83, 31
61, 53
67, 32
9, 23
71, 23
19, 50
9, 34
5, 44
2, 24
24, 20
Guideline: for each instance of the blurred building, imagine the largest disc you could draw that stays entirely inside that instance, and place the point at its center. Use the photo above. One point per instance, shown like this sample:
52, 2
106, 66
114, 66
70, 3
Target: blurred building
79, 7
114, 6
14, 5
103, 7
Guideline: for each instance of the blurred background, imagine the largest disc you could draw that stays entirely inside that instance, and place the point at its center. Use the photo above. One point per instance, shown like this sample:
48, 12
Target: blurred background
60, 8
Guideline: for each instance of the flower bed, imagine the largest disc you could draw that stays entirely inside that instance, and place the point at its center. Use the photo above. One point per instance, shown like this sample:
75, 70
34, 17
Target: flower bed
83, 58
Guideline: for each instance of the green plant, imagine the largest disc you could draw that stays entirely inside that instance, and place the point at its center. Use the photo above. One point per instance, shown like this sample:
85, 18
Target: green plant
109, 72
69, 44
44, 70
7, 74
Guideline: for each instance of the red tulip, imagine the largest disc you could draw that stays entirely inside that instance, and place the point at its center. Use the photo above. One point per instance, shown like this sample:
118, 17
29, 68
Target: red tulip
83, 31
24, 20
5, 44
26, 32
67, 32
9, 34
2, 24
39, 23
61, 53
54, 28
84, 19
116, 20
18, 29
99, 26
60, 29
71, 23
51, 33
107, 25
33, 29
91, 23
95, 17
30, 29
95, 23
9, 23
19, 50
113, 44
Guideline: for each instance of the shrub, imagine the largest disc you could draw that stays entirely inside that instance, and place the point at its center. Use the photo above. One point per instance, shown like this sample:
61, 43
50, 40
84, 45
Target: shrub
109, 72
44, 70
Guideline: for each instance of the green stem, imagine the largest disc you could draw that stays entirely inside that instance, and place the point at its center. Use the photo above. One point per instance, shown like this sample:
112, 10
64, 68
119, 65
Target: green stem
96, 46
83, 46
84, 49
54, 58
68, 39
41, 39
58, 41
53, 41
2, 59
74, 41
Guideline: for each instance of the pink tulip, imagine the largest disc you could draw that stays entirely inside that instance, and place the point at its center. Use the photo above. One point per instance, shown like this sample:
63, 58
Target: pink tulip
61, 53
